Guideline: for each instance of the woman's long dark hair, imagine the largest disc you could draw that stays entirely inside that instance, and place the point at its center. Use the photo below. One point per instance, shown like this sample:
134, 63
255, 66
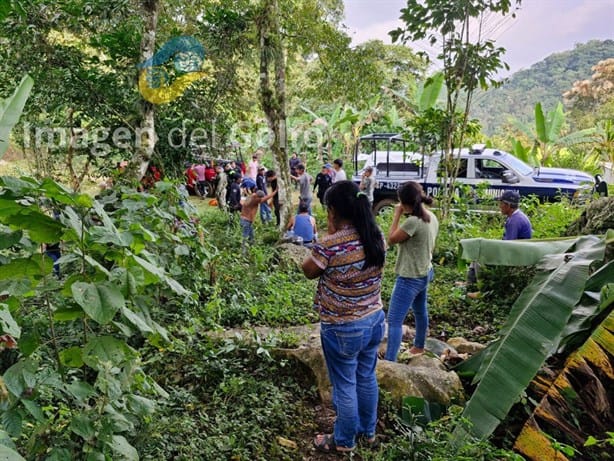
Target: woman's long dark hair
411, 193
352, 205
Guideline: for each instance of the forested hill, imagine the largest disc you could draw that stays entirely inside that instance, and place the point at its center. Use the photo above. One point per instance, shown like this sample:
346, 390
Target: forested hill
544, 82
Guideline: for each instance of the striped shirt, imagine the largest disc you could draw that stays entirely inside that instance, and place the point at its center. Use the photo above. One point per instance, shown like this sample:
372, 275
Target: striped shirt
345, 291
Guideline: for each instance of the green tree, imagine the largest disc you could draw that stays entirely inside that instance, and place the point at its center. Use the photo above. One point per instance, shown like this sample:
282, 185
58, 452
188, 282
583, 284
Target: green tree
468, 62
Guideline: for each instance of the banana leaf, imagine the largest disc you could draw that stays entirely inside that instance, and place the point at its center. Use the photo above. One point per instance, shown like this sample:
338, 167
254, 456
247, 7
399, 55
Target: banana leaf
579, 393
430, 92
533, 328
598, 296
512, 252
10, 111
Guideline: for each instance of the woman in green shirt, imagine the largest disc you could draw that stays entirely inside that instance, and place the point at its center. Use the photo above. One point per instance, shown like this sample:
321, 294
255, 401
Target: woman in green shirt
416, 239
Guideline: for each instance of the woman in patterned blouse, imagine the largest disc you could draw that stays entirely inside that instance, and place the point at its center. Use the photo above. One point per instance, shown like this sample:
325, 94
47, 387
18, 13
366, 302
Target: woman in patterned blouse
349, 262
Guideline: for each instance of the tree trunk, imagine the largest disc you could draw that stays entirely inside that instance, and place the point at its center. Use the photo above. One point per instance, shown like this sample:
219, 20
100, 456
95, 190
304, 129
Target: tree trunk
273, 97
145, 136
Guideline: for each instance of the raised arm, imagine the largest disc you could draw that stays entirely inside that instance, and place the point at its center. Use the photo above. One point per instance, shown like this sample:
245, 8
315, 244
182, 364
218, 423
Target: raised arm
396, 234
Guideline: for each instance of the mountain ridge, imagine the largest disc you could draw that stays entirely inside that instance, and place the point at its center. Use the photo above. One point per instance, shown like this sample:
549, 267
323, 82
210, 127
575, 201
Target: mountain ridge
545, 82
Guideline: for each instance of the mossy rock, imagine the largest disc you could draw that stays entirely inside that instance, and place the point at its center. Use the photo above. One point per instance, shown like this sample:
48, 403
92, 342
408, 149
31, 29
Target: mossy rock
596, 219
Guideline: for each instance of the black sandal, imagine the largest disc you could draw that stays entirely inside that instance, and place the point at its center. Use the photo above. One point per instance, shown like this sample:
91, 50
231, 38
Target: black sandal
328, 445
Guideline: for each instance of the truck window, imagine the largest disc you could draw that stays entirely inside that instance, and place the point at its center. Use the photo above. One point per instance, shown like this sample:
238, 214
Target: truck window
462, 169
488, 169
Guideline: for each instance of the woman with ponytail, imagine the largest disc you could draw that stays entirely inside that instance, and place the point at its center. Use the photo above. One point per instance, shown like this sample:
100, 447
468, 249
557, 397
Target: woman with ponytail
349, 261
416, 238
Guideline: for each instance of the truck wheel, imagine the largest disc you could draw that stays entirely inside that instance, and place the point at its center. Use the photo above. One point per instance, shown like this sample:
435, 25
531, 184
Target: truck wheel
382, 205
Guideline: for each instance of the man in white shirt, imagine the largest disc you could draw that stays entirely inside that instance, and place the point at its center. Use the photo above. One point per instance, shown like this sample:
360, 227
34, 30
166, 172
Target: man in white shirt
339, 171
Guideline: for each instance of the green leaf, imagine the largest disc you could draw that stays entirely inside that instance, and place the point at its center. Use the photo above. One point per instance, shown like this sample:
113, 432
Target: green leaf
96, 456
29, 342
431, 91
125, 281
533, 328
12, 421
58, 454
137, 320
17, 287
5, 439
141, 405
72, 357
10, 111
540, 123
159, 272
34, 410
81, 391
83, 427
8, 454
121, 446
556, 118
57, 192
119, 422
590, 441
106, 349
67, 314
8, 238
512, 252
99, 301
41, 228
7, 323
20, 376
33, 267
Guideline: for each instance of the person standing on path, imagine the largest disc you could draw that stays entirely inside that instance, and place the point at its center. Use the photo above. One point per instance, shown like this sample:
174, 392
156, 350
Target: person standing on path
367, 183
265, 209
339, 171
349, 262
221, 188
416, 239
304, 186
279, 199
322, 183
248, 213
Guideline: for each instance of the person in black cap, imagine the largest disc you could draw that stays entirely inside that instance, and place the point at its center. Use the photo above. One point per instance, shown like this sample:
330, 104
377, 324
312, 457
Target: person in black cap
322, 183
517, 225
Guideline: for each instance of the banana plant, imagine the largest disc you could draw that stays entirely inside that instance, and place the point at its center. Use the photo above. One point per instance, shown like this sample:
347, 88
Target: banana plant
11, 109
603, 149
536, 322
549, 137
524, 153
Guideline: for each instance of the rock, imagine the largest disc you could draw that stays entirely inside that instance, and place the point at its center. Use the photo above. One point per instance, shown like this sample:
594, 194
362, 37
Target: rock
596, 219
464, 346
424, 376
295, 254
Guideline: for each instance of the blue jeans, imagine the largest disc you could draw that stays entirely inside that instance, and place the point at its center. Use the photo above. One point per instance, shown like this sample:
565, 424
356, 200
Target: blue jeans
408, 293
265, 213
350, 350
247, 229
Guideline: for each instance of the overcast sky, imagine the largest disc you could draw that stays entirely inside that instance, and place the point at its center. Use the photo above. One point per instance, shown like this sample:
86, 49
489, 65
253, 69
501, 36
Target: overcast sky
541, 27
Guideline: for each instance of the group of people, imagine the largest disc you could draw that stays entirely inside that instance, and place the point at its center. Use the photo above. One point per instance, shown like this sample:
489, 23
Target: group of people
348, 263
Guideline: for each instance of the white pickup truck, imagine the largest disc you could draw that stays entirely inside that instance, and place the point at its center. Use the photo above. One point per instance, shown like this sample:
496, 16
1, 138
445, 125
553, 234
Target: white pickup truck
501, 171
